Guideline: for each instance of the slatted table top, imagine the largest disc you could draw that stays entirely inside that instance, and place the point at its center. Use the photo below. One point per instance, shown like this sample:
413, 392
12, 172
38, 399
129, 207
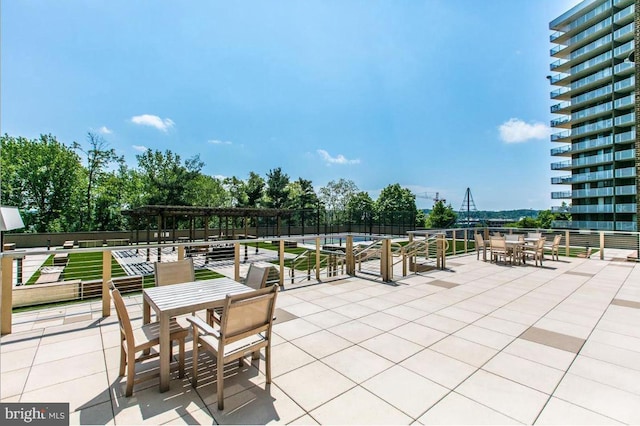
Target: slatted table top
177, 299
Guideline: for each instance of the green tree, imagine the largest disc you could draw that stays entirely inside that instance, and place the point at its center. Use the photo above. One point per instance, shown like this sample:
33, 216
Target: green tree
545, 218
237, 190
277, 189
336, 195
441, 216
98, 156
255, 189
41, 177
208, 191
166, 181
361, 207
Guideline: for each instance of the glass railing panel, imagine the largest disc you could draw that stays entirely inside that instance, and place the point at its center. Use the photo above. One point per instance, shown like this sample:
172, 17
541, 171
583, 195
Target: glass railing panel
559, 121
626, 136
628, 82
559, 92
560, 195
560, 135
583, 224
557, 63
593, 127
591, 46
593, 192
589, 16
627, 154
624, 30
593, 143
626, 208
557, 77
560, 165
626, 119
626, 190
602, 208
606, 56
624, 13
626, 101
623, 66
622, 50
592, 78
603, 91
591, 111
560, 106
593, 159
591, 30
626, 172
627, 226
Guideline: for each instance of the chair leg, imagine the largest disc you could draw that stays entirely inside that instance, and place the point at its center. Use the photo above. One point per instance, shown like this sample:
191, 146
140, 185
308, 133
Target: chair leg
220, 382
181, 357
123, 360
267, 360
194, 372
131, 371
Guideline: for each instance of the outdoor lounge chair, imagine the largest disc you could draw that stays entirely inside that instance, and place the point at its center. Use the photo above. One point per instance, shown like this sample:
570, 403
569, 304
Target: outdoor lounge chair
142, 339
246, 325
256, 279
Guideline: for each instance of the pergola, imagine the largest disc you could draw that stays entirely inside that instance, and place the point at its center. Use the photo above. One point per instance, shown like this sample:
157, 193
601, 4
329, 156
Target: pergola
162, 214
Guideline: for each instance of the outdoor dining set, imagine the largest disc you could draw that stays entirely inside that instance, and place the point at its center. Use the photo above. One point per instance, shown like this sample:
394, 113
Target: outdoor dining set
517, 248
239, 321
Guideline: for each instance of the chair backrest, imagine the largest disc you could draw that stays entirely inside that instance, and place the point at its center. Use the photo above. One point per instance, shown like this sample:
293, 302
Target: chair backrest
534, 234
248, 314
479, 240
556, 240
167, 273
257, 277
512, 237
498, 243
540, 243
123, 316
496, 234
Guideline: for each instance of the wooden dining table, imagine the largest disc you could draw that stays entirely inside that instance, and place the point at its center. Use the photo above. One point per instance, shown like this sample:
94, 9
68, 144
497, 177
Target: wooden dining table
177, 299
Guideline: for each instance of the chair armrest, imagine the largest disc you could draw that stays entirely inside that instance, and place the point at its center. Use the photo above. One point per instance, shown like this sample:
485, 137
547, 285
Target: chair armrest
206, 328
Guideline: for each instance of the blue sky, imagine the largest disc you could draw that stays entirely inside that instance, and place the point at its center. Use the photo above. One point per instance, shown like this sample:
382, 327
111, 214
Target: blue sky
437, 95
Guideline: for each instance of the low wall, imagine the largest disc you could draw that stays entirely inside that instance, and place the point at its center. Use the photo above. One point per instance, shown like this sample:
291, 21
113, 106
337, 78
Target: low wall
46, 293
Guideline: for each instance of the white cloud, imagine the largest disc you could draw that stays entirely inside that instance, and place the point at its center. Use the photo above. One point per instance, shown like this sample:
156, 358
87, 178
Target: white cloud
516, 130
105, 130
140, 148
153, 121
218, 142
339, 159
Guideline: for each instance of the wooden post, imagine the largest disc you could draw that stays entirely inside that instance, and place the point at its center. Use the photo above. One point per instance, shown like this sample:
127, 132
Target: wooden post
6, 294
159, 250
466, 240
566, 241
601, 245
236, 261
454, 242
281, 257
318, 258
351, 264
440, 251
386, 263
106, 276
181, 253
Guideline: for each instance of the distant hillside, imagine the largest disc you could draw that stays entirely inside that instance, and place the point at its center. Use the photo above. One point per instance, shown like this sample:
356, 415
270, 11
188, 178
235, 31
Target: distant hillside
514, 215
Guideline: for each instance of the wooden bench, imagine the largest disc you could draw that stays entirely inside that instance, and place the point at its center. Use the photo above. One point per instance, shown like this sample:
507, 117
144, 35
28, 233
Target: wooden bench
60, 259
89, 243
9, 246
114, 242
68, 244
27, 295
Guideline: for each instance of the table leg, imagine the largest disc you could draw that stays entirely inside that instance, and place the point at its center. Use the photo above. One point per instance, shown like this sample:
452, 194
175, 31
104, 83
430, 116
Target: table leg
165, 343
146, 319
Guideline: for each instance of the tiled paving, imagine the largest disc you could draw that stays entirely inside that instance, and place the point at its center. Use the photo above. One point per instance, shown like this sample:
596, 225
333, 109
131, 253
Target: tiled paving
479, 343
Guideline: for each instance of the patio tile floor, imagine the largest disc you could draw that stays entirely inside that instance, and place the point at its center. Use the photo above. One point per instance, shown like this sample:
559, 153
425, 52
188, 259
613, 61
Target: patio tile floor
478, 343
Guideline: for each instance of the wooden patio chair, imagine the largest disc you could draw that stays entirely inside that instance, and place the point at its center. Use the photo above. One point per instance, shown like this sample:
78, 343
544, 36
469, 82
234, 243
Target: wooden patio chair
481, 244
142, 340
246, 325
553, 247
167, 273
498, 248
256, 279
537, 250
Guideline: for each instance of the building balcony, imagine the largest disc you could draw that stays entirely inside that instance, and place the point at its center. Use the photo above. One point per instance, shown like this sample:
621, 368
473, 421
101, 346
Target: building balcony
559, 195
626, 120
625, 16
563, 122
562, 93
626, 137
627, 85
583, 224
625, 103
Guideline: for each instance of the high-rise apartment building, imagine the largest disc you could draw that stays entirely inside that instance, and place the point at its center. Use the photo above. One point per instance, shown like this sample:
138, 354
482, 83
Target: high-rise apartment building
595, 126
